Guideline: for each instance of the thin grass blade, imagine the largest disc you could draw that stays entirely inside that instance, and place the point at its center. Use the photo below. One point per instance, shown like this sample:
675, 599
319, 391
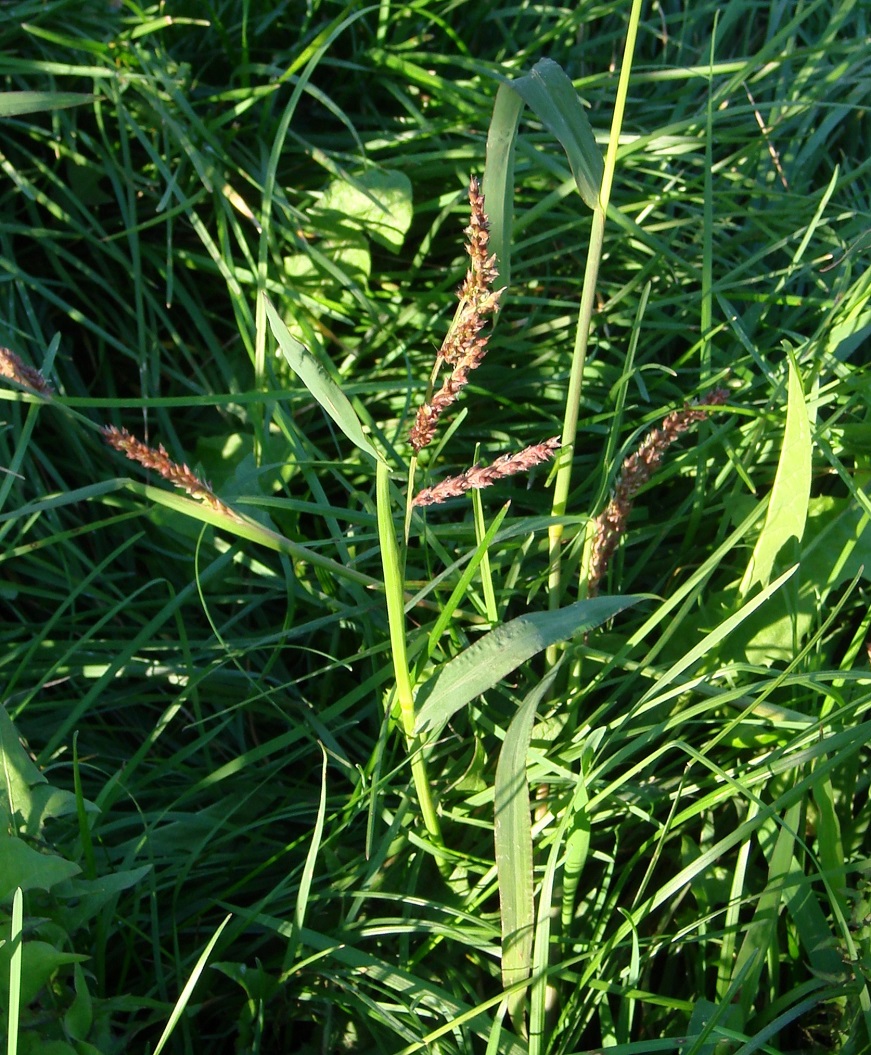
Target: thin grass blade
186, 993
513, 840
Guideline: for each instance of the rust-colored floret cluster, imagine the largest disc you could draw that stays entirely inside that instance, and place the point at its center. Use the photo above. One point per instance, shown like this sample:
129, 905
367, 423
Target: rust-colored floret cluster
13, 367
178, 475
484, 475
16, 369
635, 472
463, 349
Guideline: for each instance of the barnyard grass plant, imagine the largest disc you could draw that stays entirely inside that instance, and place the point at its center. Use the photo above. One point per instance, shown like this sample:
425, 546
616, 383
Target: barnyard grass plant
316, 768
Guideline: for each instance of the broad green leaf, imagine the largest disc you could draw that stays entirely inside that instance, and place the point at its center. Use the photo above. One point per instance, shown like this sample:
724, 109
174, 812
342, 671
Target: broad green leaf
379, 201
40, 961
788, 506
12, 104
551, 94
490, 659
319, 383
513, 840
22, 866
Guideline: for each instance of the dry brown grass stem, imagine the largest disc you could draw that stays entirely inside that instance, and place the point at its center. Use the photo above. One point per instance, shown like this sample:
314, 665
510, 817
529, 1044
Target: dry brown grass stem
463, 347
178, 475
484, 476
16, 369
637, 469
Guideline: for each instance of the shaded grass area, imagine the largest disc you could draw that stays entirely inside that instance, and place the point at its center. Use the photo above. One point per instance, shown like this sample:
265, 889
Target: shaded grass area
697, 767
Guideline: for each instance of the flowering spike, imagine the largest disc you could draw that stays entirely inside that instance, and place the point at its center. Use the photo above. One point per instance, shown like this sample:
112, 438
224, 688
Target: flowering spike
16, 369
636, 470
178, 475
480, 476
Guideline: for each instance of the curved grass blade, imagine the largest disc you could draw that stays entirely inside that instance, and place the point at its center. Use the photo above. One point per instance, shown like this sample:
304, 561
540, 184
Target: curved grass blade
788, 506
491, 658
548, 90
319, 383
498, 182
182, 1001
550, 93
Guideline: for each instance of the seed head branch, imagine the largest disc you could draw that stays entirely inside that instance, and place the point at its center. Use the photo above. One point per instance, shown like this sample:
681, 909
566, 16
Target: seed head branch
637, 469
157, 459
464, 347
484, 476
16, 369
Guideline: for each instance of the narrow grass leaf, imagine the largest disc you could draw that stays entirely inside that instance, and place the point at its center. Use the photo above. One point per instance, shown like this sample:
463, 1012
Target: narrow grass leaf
498, 182
319, 383
513, 840
788, 507
551, 94
186, 993
305, 883
16, 938
459, 592
246, 529
490, 659
14, 103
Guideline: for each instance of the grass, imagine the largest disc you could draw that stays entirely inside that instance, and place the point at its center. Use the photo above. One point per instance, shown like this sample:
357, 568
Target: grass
278, 780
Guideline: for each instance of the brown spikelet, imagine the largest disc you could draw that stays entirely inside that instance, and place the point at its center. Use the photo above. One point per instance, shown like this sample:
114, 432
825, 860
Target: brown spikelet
157, 459
484, 476
636, 470
463, 347
13, 367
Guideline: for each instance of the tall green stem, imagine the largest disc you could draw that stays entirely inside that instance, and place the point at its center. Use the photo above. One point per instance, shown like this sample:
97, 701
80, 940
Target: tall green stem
585, 316
393, 582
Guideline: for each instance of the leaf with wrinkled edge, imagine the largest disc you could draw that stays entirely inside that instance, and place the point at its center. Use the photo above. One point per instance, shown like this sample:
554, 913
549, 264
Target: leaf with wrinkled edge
379, 200
319, 383
491, 658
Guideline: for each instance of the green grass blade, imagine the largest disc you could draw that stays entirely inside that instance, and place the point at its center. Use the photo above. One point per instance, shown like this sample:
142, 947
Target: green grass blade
316, 379
491, 658
498, 182
311, 856
187, 992
550, 93
16, 940
12, 104
513, 841
788, 506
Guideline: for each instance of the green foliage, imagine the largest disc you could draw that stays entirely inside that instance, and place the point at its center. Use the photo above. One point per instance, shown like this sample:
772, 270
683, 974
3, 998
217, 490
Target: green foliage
44, 990
327, 773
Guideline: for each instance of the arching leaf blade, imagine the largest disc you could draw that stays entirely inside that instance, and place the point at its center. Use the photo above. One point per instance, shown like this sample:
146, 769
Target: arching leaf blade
319, 383
491, 658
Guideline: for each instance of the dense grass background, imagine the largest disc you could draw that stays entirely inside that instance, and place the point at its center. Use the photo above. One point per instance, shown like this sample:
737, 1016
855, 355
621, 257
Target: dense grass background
698, 766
